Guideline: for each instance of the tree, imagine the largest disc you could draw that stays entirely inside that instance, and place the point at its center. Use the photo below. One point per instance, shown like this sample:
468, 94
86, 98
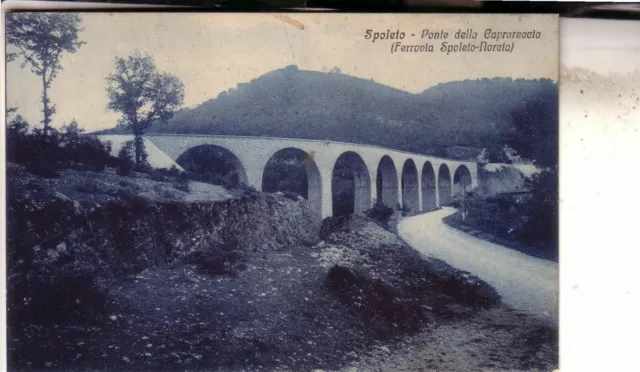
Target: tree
71, 134
40, 40
534, 135
534, 132
143, 96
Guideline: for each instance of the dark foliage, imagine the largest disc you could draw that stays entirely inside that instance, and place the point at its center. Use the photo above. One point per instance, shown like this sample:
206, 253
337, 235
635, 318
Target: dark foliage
528, 218
45, 155
501, 215
534, 135
127, 155
380, 213
534, 130
542, 209
143, 95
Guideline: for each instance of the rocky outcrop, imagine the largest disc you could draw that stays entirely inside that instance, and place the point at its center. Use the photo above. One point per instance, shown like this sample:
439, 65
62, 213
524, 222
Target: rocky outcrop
63, 246
389, 284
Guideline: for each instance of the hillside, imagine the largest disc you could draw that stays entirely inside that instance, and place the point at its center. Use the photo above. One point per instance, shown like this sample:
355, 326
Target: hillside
128, 273
307, 104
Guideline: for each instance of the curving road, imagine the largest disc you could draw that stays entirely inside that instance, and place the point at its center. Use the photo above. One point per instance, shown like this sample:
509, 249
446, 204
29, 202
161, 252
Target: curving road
525, 283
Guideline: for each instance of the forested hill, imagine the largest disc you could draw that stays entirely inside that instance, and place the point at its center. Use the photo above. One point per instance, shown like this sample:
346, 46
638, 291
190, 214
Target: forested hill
332, 106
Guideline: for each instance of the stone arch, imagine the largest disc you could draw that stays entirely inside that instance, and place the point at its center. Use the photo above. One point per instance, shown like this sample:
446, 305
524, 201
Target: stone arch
213, 164
350, 185
461, 181
410, 189
387, 182
293, 170
428, 184
444, 185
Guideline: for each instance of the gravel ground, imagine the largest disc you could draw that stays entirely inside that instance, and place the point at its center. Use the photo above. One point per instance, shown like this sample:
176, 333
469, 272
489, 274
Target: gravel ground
497, 339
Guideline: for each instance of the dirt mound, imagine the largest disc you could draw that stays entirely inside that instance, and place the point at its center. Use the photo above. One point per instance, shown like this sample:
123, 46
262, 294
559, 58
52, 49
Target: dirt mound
388, 283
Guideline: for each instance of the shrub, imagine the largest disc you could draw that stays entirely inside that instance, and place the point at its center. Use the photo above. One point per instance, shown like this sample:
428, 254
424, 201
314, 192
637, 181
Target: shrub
125, 155
46, 155
541, 212
70, 134
531, 219
380, 212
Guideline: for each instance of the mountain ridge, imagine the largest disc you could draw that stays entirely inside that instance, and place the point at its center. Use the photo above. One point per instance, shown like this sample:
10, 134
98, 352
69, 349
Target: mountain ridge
295, 103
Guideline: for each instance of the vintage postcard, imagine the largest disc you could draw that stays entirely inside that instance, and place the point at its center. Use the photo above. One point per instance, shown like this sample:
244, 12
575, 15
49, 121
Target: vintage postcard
281, 192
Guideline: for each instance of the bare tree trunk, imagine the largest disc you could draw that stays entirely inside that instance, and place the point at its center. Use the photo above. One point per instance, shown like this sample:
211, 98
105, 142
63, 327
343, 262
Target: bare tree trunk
139, 147
45, 102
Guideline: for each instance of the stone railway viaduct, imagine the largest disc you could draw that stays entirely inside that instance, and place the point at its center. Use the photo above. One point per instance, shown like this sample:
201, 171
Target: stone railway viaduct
413, 181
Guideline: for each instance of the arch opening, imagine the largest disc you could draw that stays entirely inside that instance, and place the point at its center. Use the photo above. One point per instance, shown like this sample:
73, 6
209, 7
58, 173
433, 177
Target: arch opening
387, 182
350, 185
444, 185
410, 191
293, 170
428, 185
213, 164
461, 182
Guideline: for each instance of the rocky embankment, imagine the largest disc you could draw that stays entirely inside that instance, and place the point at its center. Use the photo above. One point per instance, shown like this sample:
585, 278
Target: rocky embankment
69, 234
107, 272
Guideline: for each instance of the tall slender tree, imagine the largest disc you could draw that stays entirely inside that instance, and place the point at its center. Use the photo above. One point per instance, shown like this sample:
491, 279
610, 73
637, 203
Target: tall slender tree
143, 96
40, 39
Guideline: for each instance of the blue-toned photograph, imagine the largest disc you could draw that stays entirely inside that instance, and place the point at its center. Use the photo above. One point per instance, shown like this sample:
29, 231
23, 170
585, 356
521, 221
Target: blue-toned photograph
282, 192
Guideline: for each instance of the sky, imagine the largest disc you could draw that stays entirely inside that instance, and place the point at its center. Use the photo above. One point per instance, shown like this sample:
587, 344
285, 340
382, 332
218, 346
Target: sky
610, 93
604, 46
211, 53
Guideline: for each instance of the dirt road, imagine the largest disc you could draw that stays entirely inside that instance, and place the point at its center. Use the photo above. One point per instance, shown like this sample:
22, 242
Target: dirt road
526, 284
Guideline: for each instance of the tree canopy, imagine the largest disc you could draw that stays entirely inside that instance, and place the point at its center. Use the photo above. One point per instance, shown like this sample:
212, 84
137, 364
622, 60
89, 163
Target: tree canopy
40, 39
534, 130
142, 94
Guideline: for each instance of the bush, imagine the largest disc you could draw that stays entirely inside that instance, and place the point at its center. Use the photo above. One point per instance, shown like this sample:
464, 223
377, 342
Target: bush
46, 155
125, 155
530, 219
541, 212
380, 212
